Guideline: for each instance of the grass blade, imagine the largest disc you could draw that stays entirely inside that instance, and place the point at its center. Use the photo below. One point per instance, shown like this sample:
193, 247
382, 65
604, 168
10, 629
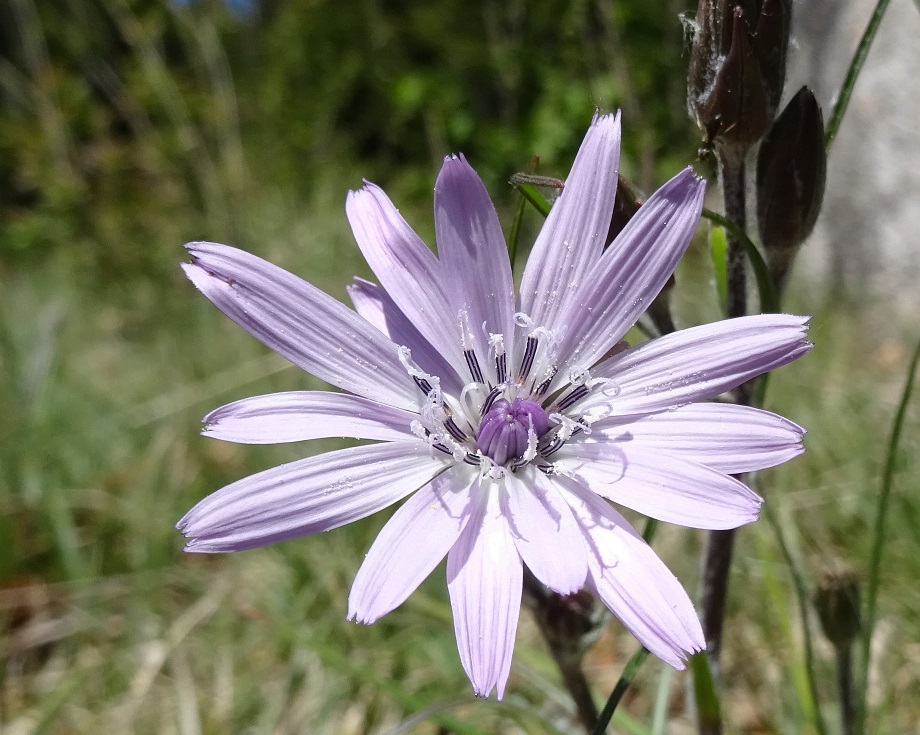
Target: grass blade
629, 673
878, 540
708, 707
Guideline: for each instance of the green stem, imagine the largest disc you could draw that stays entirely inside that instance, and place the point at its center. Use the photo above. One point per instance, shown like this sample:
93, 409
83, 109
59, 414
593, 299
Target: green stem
878, 540
856, 65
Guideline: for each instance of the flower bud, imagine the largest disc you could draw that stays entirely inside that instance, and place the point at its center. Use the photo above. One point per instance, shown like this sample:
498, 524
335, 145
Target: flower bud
837, 602
791, 172
737, 68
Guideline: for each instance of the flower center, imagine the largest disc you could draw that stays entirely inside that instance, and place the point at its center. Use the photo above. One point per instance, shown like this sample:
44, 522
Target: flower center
504, 432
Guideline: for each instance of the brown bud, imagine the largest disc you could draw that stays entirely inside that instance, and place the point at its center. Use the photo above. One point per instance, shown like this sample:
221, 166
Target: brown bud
737, 68
771, 43
791, 173
625, 205
837, 602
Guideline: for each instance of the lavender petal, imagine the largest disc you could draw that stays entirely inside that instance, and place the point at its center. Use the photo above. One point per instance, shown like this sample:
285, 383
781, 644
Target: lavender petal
485, 580
545, 532
572, 238
301, 323
374, 304
411, 545
301, 415
308, 496
726, 437
698, 363
407, 270
472, 251
675, 491
632, 271
633, 583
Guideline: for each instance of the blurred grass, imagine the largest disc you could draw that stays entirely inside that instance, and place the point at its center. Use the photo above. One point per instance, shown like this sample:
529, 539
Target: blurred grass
129, 127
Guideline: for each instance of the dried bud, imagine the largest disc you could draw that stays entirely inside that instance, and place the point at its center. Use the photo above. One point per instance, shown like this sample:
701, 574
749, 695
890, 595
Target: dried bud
625, 205
791, 172
737, 68
570, 623
837, 602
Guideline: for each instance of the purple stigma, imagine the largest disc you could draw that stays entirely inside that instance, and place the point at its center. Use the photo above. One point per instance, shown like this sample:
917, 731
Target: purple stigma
503, 430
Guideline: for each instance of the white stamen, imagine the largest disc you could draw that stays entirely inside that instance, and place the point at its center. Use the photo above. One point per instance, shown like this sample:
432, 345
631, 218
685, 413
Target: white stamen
405, 357
596, 413
466, 336
579, 375
611, 388
531, 452
567, 428
522, 320
497, 343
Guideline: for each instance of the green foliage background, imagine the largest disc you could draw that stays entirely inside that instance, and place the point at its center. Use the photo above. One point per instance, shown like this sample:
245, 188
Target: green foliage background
128, 127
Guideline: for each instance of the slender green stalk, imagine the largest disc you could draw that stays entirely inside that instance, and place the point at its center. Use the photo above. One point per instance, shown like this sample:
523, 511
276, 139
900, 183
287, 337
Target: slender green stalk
856, 65
530, 193
515, 235
878, 536
803, 600
629, 673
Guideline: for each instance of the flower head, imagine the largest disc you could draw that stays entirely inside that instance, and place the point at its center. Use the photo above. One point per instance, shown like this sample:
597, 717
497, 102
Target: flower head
510, 422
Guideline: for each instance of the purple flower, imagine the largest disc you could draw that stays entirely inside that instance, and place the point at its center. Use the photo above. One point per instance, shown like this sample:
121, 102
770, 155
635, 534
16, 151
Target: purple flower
510, 422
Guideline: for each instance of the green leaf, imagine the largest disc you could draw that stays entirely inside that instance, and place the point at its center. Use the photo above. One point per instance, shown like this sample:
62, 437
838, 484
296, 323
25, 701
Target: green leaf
718, 247
766, 289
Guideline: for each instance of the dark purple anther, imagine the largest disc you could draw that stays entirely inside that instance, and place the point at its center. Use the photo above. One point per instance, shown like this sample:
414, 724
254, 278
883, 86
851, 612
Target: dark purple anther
503, 430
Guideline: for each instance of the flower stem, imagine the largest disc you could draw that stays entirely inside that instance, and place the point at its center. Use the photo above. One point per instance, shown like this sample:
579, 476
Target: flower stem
718, 559
716, 565
731, 179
